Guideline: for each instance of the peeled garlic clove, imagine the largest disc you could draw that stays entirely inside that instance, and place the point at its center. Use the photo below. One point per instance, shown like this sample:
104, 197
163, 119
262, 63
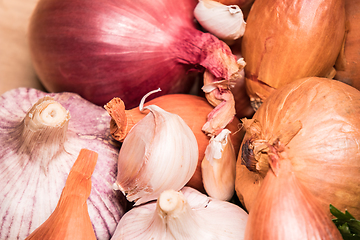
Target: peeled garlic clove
41, 135
286, 209
224, 21
218, 167
160, 152
183, 215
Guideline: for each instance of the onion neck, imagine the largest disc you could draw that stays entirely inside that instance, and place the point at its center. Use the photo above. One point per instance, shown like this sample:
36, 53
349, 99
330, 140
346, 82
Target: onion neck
196, 48
42, 133
255, 151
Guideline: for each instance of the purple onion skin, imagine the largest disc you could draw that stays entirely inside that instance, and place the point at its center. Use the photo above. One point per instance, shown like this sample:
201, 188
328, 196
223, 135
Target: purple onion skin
102, 49
29, 193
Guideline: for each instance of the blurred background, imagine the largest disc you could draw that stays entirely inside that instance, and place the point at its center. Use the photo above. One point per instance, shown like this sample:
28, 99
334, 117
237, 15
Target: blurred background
15, 64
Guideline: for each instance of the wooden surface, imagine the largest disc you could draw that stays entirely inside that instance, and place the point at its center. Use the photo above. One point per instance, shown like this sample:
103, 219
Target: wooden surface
15, 64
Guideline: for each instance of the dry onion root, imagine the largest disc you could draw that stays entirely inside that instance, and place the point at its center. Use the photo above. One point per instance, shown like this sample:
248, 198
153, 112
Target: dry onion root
316, 120
286, 40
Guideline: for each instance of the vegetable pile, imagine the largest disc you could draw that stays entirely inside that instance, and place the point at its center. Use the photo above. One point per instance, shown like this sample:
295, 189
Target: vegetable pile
194, 119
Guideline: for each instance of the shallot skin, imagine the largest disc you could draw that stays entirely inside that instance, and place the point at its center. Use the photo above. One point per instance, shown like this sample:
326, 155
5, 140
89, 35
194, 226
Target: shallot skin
103, 49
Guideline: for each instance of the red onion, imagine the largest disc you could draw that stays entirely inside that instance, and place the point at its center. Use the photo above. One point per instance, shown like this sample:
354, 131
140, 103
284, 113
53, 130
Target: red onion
102, 49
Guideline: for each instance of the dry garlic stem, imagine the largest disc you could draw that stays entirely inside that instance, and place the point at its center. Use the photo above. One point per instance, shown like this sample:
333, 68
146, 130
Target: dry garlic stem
42, 132
183, 215
218, 167
224, 21
70, 219
181, 221
160, 152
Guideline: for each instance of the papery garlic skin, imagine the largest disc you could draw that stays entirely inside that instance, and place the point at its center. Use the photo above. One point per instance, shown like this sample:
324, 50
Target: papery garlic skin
160, 152
35, 160
184, 215
224, 21
218, 167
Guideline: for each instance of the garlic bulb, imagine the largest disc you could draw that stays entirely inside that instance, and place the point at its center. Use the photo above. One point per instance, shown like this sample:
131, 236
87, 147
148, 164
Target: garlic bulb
224, 21
218, 167
160, 152
183, 215
41, 135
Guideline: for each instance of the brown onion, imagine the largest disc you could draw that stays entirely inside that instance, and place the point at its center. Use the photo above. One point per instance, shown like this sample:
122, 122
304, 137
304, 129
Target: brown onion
317, 120
348, 68
286, 40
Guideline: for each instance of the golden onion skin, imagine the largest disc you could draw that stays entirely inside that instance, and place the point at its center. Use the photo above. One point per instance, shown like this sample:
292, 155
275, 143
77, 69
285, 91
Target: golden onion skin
286, 40
324, 153
348, 64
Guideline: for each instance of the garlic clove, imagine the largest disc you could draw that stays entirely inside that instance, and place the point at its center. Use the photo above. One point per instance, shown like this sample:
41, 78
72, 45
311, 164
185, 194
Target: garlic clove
191, 108
160, 152
218, 167
224, 21
183, 215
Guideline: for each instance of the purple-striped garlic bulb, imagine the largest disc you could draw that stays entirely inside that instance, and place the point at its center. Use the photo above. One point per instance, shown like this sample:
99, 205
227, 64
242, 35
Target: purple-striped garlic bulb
41, 135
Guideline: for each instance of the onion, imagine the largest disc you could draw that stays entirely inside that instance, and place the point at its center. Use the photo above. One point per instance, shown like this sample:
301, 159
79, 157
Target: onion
317, 120
103, 49
286, 40
347, 66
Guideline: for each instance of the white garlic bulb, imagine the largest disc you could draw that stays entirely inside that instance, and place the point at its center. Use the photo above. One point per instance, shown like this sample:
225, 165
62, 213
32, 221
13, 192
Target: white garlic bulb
224, 21
160, 152
218, 167
184, 215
